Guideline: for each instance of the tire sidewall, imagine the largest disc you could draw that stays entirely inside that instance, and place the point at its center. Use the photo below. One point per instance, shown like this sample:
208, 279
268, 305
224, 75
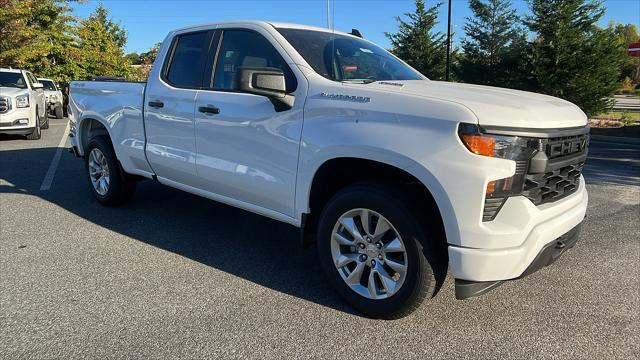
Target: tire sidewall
114, 174
38, 128
58, 112
409, 230
36, 134
45, 124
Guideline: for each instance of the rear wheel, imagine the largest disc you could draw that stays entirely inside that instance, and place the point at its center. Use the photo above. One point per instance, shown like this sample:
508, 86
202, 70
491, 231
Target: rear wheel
108, 182
36, 134
375, 252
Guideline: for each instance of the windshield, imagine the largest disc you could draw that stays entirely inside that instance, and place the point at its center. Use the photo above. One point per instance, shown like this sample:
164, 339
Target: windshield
353, 59
48, 85
12, 79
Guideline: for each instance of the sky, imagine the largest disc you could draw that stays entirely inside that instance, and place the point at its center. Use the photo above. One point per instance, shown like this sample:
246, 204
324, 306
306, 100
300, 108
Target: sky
148, 21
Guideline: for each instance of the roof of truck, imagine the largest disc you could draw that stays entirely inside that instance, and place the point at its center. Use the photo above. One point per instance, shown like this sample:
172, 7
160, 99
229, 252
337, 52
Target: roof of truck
264, 24
10, 70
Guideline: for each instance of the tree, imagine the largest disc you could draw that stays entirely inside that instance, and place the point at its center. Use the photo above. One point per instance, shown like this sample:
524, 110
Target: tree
147, 58
571, 57
628, 34
119, 35
134, 58
417, 43
101, 44
39, 36
493, 47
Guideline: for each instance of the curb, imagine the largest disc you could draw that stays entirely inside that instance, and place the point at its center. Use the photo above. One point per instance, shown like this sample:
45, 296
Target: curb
616, 139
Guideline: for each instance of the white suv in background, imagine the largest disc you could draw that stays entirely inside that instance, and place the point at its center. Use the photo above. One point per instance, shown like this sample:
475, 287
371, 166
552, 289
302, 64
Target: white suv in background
53, 96
22, 104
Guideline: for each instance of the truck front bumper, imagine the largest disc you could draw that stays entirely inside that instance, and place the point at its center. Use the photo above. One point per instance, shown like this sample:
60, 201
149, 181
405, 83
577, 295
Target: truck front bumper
549, 253
543, 227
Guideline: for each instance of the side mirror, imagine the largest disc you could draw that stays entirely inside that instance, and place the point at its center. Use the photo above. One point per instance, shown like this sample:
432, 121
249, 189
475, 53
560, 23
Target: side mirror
267, 82
37, 85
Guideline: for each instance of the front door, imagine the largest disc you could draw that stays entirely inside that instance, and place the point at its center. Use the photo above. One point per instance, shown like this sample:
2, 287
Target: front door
247, 150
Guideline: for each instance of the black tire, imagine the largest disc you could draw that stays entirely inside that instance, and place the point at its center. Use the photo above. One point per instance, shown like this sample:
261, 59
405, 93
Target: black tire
45, 123
58, 112
121, 185
420, 282
36, 134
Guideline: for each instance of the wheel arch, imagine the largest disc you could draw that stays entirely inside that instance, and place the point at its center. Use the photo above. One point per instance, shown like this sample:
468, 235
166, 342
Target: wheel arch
322, 185
90, 126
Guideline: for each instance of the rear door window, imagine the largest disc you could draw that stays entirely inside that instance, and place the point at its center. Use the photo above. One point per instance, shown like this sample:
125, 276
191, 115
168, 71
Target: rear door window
187, 60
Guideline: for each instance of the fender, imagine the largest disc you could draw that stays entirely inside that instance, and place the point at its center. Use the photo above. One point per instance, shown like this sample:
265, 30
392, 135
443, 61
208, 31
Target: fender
384, 156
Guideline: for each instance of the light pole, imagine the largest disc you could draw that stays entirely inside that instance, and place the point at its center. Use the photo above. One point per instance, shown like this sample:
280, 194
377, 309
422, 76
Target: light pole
448, 69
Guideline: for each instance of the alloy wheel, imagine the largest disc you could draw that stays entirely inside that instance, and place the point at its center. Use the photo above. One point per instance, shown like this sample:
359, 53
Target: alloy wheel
369, 254
99, 171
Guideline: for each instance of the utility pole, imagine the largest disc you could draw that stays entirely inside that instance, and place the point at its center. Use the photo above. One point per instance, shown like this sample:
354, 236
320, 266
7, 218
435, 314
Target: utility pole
448, 70
328, 15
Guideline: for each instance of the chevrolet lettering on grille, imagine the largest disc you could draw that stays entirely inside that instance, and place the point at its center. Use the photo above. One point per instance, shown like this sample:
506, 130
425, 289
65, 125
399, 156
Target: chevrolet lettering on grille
567, 147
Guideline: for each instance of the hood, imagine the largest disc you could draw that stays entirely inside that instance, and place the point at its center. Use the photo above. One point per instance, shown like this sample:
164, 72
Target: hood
13, 92
498, 106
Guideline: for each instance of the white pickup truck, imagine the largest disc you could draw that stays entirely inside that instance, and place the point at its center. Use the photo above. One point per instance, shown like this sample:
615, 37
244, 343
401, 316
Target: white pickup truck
396, 177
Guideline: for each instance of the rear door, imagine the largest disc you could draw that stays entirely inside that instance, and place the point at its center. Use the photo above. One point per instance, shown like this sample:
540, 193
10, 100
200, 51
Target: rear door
248, 151
169, 108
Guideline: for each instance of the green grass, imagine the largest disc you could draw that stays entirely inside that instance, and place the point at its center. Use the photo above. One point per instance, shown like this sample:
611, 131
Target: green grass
619, 115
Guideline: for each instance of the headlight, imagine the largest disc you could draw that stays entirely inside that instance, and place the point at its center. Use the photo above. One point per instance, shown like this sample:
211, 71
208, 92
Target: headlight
22, 101
53, 98
513, 148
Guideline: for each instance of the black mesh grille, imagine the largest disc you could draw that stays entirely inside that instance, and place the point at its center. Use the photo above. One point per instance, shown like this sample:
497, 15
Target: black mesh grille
553, 185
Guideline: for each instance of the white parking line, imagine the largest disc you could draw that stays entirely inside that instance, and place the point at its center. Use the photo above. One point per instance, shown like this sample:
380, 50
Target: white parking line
48, 179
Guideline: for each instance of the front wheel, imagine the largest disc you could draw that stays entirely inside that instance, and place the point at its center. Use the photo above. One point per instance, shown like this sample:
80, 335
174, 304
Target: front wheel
45, 123
58, 112
375, 252
36, 134
108, 182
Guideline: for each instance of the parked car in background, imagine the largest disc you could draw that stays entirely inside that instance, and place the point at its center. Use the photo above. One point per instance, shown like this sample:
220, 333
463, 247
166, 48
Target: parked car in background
23, 108
395, 176
53, 97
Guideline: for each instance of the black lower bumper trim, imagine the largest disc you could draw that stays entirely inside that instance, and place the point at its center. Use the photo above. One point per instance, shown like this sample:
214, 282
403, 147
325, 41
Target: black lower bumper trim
26, 131
549, 253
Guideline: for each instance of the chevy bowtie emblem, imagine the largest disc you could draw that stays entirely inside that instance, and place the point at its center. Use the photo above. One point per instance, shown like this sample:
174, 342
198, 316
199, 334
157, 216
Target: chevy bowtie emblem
361, 99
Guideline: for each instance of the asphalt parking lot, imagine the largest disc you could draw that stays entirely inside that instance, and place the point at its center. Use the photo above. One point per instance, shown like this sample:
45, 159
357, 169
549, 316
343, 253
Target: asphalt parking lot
176, 276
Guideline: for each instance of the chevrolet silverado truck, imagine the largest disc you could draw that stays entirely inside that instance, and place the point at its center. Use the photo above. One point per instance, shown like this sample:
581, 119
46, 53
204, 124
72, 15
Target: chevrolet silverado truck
23, 108
395, 177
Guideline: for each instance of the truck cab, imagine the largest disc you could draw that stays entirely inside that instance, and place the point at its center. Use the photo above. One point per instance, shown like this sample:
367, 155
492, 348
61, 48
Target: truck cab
395, 177
23, 107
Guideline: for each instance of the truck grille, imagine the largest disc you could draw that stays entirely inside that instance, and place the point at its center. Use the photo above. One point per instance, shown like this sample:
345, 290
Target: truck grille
553, 185
5, 104
551, 173
562, 175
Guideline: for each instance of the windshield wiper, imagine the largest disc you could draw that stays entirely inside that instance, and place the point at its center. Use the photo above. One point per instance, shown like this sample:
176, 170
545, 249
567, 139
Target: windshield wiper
359, 81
